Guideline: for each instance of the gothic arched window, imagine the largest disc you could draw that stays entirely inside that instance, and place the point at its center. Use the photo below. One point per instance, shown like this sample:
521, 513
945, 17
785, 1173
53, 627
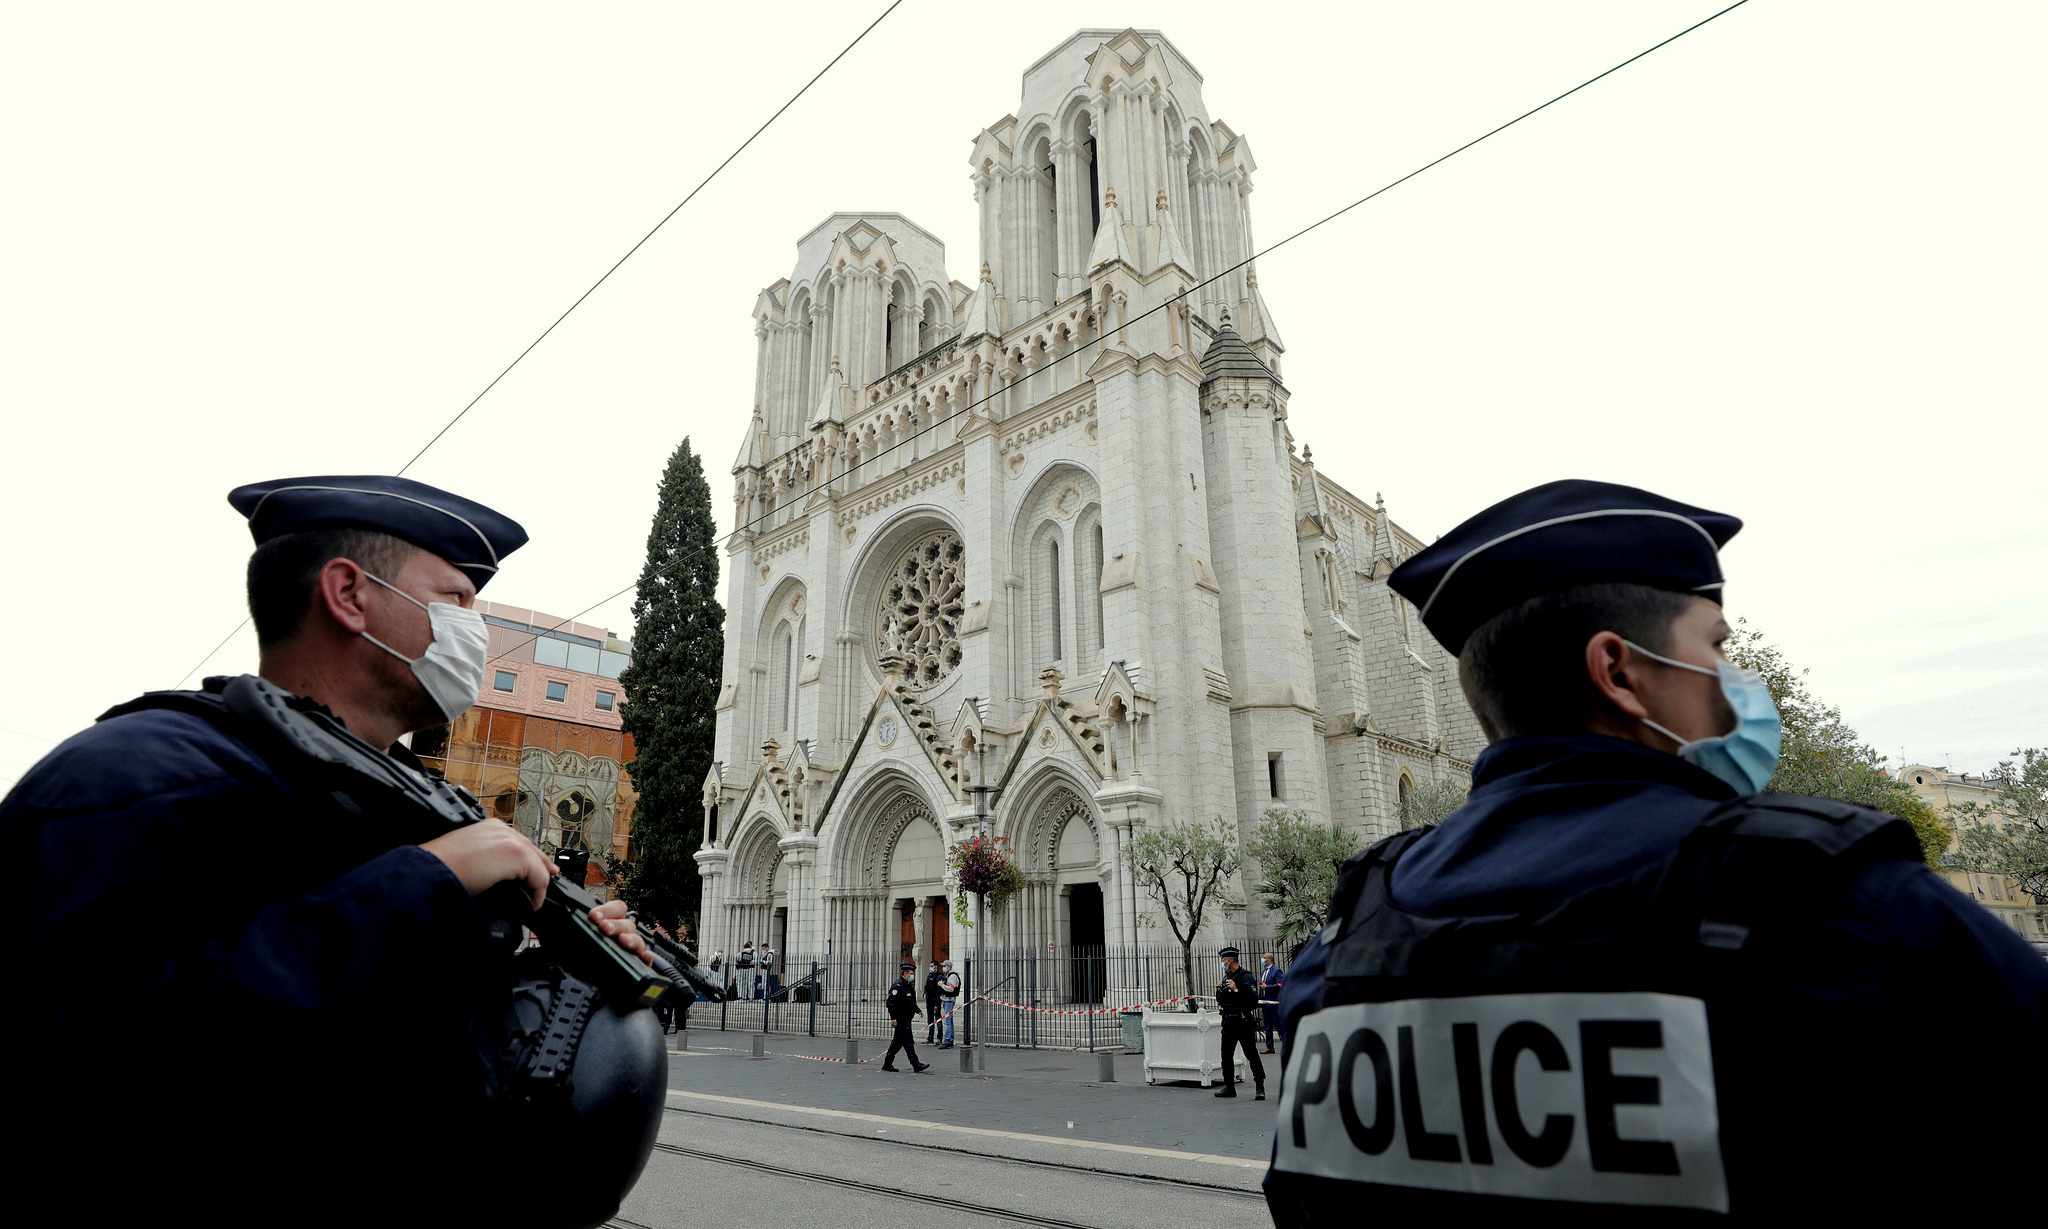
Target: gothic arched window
782, 676
801, 360
1088, 583
1052, 590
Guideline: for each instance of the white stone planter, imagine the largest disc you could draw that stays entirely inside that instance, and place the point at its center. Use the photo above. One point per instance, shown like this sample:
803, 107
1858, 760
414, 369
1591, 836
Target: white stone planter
1184, 1045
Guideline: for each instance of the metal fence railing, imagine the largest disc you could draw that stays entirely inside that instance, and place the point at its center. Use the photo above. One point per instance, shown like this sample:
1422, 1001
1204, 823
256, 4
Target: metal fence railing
1027, 998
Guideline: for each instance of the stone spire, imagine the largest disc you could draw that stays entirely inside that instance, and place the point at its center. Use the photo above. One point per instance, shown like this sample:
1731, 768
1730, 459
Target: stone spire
982, 313
1166, 246
832, 404
1115, 239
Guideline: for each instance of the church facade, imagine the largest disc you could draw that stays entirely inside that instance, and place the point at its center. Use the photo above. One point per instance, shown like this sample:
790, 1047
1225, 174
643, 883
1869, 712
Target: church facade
1047, 530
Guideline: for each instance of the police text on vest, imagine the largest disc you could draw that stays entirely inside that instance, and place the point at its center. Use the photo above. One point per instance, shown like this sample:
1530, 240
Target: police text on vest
1598, 1098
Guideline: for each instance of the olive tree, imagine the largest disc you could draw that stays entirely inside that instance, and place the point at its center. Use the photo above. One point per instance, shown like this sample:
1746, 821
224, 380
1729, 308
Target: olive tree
1426, 806
1183, 868
1298, 862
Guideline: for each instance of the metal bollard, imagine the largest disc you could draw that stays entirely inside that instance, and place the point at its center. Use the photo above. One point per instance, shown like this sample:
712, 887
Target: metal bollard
760, 1046
682, 1039
852, 1052
966, 1058
1106, 1063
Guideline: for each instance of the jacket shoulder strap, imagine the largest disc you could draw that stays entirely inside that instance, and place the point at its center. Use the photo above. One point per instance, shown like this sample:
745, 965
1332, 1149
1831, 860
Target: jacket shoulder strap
1366, 869
1758, 865
1828, 828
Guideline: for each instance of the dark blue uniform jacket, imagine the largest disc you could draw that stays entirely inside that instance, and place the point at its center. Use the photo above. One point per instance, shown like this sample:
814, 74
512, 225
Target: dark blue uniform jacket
248, 1001
1550, 817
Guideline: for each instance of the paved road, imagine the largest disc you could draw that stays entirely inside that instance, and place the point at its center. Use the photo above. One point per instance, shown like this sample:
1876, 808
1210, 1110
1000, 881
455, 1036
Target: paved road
1036, 1136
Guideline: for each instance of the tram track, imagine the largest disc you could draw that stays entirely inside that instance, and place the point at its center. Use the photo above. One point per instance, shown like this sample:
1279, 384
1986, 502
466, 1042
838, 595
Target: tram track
1097, 1171
924, 1198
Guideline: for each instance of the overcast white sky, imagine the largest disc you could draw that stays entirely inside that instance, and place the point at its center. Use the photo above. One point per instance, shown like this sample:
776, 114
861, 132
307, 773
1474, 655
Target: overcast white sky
1789, 267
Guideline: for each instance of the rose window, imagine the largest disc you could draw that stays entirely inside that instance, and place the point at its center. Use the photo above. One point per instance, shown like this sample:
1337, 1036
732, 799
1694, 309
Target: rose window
923, 598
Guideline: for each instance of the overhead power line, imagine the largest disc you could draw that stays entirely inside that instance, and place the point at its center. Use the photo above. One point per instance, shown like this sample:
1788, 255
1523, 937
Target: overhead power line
1327, 218
446, 427
644, 238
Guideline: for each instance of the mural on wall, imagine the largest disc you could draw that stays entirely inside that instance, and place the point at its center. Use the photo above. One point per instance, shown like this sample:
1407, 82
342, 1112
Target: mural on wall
563, 784
568, 800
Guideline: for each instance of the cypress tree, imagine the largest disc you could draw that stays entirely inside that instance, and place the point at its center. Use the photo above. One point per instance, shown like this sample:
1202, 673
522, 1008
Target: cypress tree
671, 687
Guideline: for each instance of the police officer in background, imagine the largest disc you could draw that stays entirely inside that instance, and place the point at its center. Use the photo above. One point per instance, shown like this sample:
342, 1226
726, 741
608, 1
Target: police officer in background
1237, 997
902, 1005
320, 1000
931, 1004
1619, 982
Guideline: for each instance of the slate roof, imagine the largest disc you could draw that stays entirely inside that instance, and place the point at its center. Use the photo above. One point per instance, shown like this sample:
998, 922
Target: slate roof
1228, 356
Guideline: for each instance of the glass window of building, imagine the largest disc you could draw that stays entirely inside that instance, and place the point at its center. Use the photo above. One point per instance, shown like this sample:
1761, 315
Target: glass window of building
604, 701
609, 664
558, 692
505, 681
549, 651
583, 657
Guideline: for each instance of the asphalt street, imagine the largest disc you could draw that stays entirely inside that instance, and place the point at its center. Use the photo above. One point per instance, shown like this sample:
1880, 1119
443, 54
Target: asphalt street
1036, 1138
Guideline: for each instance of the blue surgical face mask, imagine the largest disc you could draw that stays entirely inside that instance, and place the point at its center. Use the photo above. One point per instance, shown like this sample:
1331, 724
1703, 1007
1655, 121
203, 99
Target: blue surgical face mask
1746, 756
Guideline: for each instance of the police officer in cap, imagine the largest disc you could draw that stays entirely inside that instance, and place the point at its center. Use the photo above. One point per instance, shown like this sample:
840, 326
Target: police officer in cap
1620, 982
320, 1002
1237, 997
902, 1004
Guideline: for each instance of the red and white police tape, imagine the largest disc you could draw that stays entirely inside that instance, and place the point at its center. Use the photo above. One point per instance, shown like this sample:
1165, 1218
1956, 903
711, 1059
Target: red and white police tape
1091, 1011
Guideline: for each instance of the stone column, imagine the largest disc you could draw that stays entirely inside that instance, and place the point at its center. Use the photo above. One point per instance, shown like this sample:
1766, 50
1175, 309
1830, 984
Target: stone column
761, 397
984, 197
878, 326
827, 344
711, 928
1151, 115
1118, 146
799, 861
1063, 218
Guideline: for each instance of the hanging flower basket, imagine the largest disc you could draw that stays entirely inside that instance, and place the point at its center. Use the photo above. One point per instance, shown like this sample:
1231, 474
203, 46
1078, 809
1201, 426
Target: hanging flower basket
982, 865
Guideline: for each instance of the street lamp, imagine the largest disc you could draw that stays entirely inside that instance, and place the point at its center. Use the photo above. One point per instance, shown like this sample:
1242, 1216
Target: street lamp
980, 790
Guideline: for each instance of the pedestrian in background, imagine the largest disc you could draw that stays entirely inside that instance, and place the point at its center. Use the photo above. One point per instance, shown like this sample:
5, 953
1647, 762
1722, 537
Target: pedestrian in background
745, 967
1271, 979
949, 1003
1238, 997
902, 1008
931, 1004
766, 958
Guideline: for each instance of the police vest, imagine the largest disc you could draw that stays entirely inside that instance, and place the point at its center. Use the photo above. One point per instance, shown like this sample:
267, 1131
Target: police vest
1642, 1051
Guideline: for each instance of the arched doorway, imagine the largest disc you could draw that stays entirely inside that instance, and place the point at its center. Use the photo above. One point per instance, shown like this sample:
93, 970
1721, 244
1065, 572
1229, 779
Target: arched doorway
917, 868
887, 902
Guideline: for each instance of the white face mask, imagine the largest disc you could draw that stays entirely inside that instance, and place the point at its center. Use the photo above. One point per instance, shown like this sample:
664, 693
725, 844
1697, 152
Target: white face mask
452, 668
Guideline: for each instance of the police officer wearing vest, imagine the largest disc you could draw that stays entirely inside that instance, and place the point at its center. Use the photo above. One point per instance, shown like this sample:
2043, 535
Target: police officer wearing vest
1619, 982
1237, 997
320, 1000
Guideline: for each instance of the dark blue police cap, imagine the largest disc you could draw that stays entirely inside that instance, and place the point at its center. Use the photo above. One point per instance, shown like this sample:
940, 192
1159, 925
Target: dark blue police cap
1554, 537
466, 534
1229, 951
